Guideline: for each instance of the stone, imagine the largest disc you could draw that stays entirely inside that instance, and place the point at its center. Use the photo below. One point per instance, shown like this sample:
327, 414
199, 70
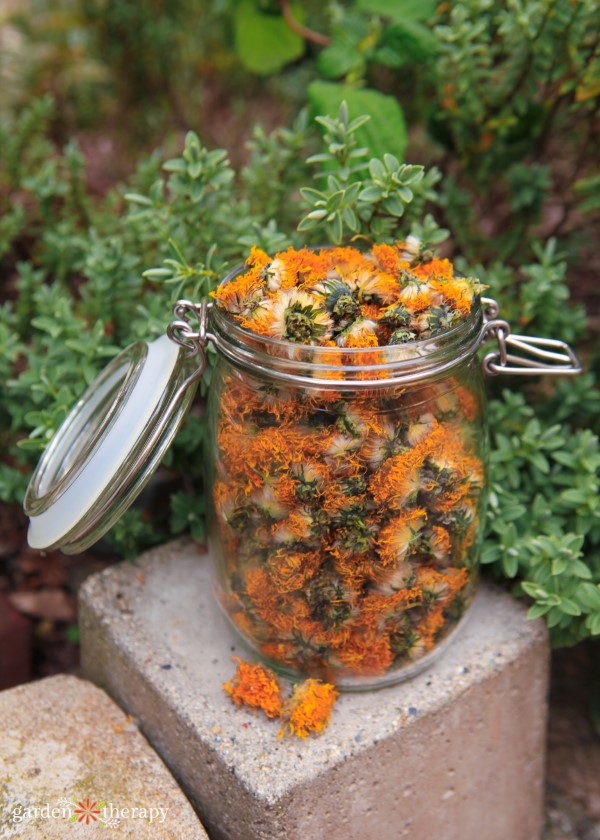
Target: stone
67, 752
15, 645
456, 753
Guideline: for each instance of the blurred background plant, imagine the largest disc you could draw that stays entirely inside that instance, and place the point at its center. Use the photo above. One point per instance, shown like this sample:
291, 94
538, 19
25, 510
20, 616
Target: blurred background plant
110, 211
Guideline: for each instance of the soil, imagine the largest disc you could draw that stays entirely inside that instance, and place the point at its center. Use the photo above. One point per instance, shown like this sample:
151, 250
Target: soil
573, 762
43, 588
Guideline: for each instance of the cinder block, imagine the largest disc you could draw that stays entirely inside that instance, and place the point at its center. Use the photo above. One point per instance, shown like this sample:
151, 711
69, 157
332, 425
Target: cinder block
71, 762
456, 753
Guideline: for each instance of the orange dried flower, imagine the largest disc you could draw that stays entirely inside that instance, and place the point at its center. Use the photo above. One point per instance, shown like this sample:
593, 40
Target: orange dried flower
429, 627
363, 339
309, 708
344, 513
434, 268
311, 297
388, 257
291, 570
367, 649
256, 687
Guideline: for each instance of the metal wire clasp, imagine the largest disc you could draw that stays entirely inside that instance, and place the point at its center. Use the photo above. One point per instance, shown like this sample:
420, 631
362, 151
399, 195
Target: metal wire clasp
182, 332
546, 356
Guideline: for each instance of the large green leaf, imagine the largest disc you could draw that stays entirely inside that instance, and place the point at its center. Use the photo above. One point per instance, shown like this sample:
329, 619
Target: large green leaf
339, 58
409, 40
264, 42
399, 9
385, 131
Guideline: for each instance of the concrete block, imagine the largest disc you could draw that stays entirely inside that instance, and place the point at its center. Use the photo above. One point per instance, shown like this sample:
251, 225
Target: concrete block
64, 745
456, 753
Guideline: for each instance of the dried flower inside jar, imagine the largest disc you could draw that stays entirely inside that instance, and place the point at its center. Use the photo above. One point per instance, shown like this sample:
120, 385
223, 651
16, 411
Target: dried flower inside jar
348, 514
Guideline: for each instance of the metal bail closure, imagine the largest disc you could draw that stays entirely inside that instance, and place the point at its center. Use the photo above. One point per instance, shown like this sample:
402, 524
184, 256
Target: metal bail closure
115, 436
537, 356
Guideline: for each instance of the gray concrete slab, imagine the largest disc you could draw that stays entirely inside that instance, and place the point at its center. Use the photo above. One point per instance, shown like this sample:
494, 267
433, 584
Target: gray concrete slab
71, 762
457, 753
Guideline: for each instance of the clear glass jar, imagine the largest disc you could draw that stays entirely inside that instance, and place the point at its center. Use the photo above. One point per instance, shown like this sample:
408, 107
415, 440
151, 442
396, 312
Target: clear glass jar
347, 485
347, 492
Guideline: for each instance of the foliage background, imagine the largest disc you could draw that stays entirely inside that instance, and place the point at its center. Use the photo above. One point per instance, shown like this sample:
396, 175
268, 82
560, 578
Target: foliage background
110, 212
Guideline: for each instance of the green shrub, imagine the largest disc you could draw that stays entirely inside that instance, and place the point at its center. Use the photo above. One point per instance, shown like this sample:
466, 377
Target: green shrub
87, 275
75, 266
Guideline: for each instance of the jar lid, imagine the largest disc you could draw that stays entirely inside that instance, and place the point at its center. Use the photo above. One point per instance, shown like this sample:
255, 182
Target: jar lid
110, 445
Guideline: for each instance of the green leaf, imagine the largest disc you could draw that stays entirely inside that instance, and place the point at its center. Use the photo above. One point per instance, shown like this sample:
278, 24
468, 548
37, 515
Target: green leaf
569, 607
264, 42
574, 496
175, 165
72, 634
393, 206
588, 596
313, 196
336, 229
490, 553
334, 200
537, 610
307, 223
533, 590
399, 9
339, 59
410, 40
371, 193
540, 462
579, 569
385, 131
350, 218
376, 169
510, 564
317, 215
555, 616
135, 198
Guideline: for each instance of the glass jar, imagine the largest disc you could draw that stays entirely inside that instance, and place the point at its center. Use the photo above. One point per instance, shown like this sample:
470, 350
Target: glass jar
347, 492
347, 485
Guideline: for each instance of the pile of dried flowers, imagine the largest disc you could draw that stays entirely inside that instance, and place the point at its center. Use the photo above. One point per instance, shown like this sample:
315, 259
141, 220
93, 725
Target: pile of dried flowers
347, 519
347, 298
306, 710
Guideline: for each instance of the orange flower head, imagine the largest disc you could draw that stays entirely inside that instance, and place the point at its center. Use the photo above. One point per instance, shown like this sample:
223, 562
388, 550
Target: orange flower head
388, 258
310, 297
291, 570
308, 709
434, 268
367, 650
256, 687
398, 535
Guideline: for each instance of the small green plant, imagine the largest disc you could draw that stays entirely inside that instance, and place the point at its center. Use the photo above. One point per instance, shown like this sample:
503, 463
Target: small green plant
544, 515
87, 275
364, 196
86, 289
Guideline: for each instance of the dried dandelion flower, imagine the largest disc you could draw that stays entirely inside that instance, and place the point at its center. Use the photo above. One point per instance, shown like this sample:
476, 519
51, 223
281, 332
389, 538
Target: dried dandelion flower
393, 295
308, 709
347, 516
297, 316
256, 687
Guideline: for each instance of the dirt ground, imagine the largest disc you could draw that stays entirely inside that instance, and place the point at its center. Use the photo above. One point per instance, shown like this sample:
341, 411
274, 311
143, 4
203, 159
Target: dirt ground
573, 763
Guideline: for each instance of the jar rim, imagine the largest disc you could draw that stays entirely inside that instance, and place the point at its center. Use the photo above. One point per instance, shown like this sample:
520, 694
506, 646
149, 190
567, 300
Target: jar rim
383, 365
